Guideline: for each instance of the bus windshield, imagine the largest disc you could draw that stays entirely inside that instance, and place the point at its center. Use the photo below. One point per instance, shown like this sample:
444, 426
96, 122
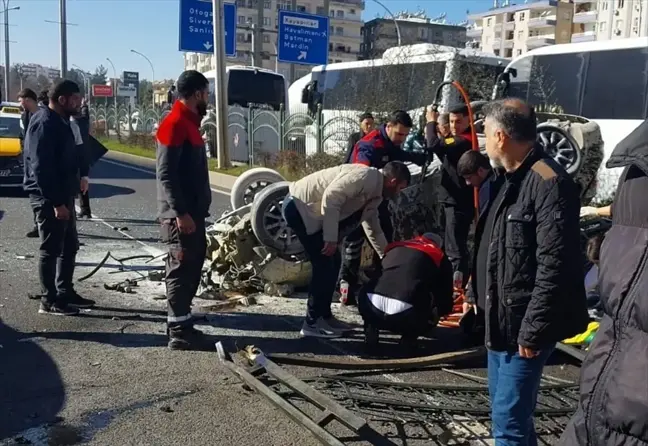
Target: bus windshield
253, 88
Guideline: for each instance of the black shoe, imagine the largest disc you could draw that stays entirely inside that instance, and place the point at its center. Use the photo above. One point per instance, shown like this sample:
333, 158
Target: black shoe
32, 296
58, 309
189, 339
33, 233
78, 301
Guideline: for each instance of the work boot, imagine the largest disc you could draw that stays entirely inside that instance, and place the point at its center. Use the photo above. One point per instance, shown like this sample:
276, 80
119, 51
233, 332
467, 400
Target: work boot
76, 300
33, 233
188, 338
371, 338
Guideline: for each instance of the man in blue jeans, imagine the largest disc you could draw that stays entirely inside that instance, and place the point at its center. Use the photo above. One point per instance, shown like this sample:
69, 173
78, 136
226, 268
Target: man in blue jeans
527, 268
323, 208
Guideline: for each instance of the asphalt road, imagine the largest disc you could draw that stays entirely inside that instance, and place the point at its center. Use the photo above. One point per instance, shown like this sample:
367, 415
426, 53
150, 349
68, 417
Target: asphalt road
106, 377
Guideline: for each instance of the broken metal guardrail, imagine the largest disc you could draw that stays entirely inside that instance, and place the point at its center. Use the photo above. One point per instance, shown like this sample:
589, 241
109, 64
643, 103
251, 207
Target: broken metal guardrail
330, 409
574, 352
384, 364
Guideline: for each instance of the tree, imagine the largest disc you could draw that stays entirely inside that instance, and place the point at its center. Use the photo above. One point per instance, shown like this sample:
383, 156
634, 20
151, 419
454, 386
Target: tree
43, 83
100, 75
145, 93
78, 77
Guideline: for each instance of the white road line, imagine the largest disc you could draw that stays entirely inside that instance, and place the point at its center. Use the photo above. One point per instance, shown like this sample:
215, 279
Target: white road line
152, 172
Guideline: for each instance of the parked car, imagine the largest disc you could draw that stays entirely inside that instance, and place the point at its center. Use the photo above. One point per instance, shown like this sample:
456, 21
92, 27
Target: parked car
11, 158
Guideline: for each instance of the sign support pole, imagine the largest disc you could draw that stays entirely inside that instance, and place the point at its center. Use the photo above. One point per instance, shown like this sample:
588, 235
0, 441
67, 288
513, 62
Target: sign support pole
220, 88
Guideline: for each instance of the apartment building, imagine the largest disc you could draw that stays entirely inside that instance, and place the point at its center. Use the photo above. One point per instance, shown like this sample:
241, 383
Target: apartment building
344, 34
610, 19
36, 70
512, 30
381, 33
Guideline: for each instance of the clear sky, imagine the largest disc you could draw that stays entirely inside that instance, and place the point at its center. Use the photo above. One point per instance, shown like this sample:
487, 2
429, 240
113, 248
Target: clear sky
110, 28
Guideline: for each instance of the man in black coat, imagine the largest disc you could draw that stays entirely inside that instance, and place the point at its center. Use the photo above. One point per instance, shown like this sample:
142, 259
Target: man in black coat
527, 271
83, 122
54, 174
29, 102
613, 408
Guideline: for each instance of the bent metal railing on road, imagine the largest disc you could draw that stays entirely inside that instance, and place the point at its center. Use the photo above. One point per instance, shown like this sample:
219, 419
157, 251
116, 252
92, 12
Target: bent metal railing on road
252, 133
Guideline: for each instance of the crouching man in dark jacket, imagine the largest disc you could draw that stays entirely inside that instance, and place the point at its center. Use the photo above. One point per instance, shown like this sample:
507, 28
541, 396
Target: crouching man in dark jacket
413, 289
527, 270
54, 174
184, 197
613, 409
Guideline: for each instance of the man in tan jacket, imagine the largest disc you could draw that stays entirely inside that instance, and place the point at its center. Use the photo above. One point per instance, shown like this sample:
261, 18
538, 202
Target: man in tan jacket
325, 207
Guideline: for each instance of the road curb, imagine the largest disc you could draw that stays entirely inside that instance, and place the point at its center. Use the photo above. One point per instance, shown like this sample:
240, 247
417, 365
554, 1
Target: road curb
217, 180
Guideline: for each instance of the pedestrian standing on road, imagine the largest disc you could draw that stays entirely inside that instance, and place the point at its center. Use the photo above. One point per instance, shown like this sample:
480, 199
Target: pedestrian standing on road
613, 406
366, 125
527, 269
324, 207
29, 102
82, 121
184, 197
54, 174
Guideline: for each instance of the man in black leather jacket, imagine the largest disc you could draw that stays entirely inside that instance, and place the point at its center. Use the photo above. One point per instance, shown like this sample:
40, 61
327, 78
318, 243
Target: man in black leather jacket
527, 270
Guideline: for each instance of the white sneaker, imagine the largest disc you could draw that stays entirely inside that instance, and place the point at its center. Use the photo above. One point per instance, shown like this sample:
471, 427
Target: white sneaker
320, 329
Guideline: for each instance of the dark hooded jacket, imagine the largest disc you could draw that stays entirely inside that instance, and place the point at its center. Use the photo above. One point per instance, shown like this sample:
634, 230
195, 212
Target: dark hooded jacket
613, 409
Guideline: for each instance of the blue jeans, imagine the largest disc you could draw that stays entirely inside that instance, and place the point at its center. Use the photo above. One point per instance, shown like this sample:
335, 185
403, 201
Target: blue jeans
513, 384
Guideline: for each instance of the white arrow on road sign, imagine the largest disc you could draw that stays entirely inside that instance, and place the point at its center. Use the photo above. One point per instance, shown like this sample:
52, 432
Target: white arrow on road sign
302, 55
207, 45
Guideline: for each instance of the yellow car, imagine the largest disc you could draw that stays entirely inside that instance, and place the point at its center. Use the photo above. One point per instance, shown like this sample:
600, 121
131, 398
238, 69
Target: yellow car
11, 157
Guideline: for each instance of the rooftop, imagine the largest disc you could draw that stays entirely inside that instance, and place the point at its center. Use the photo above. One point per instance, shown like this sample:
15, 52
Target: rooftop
504, 9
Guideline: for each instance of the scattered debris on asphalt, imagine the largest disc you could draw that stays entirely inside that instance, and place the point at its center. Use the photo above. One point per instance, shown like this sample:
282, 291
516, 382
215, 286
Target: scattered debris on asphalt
123, 287
24, 257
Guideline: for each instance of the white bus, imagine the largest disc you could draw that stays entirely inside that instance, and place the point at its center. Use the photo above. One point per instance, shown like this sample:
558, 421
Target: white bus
405, 78
605, 82
251, 87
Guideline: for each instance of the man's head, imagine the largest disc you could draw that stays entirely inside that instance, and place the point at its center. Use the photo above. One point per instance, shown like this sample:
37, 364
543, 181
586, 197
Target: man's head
458, 118
510, 128
65, 97
193, 91
593, 248
366, 122
473, 167
28, 100
43, 97
398, 127
443, 125
396, 178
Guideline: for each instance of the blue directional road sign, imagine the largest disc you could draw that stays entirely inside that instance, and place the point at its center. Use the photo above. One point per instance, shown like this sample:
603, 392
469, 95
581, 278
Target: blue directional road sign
304, 38
197, 27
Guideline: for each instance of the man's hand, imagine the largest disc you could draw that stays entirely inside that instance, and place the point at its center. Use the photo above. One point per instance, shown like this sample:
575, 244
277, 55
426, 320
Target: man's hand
62, 212
588, 211
186, 224
329, 248
527, 352
431, 115
84, 185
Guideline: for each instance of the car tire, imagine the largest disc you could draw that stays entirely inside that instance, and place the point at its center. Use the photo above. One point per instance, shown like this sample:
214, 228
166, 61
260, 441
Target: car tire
268, 223
250, 183
561, 146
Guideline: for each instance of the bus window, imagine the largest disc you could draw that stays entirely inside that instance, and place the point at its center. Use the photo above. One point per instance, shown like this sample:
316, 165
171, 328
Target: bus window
556, 79
617, 84
251, 87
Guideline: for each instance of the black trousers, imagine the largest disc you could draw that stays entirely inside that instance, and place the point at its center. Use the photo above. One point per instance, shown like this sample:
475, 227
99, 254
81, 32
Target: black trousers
352, 246
457, 228
58, 249
410, 323
325, 268
84, 203
183, 270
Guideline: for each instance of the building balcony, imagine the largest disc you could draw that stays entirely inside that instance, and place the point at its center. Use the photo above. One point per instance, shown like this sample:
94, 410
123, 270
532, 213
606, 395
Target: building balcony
586, 17
358, 3
543, 40
506, 26
474, 32
346, 20
499, 43
587, 36
581, 2
542, 22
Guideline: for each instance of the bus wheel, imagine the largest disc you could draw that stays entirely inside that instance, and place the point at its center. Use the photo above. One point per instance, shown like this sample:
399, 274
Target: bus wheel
561, 146
250, 183
268, 223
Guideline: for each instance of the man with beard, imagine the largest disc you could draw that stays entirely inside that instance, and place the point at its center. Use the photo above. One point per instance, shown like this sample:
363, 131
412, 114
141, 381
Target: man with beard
29, 102
54, 174
82, 122
184, 197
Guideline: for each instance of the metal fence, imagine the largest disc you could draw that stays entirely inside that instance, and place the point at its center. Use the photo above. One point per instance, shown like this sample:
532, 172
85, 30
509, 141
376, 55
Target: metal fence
252, 133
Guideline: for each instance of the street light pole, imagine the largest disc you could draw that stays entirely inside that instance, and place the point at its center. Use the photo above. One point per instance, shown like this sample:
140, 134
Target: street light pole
86, 82
5, 3
153, 79
63, 28
114, 87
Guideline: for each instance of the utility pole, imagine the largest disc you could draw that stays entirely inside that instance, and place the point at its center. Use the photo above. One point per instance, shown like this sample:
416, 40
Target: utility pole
5, 3
293, 7
220, 89
253, 44
63, 27
114, 91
